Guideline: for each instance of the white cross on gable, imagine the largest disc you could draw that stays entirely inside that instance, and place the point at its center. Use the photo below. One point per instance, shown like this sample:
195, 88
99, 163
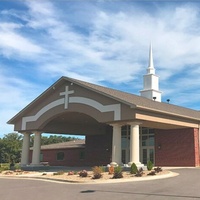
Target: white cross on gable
66, 93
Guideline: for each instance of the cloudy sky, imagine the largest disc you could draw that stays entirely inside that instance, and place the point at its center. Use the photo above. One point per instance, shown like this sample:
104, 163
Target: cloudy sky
103, 42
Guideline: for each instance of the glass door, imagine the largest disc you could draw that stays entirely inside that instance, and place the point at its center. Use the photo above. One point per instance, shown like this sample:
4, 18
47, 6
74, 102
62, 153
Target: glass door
125, 142
147, 154
147, 145
123, 155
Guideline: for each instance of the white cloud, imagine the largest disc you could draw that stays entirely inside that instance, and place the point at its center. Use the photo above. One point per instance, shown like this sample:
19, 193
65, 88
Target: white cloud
117, 42
12, 42
107, 45
16, 93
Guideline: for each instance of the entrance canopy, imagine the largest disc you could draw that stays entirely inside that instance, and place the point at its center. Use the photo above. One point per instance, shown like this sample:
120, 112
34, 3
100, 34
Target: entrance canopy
75, 107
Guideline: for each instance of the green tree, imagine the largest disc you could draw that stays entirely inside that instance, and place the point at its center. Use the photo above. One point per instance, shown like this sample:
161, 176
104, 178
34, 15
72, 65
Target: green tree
10, 147
52, 139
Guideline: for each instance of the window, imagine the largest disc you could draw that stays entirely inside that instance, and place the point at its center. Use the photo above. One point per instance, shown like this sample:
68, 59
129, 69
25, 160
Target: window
147, 137
41, 157
82, 155
60, 156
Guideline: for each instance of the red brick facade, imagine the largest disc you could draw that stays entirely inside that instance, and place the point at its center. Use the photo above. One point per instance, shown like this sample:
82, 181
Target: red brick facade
72, 157
177, 147
97, 151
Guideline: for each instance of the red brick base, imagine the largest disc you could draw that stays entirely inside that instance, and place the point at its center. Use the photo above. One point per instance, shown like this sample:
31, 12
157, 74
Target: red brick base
177, 147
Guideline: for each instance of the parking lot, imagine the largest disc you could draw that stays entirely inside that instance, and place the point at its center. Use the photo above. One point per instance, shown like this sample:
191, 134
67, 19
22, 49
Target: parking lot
184, 186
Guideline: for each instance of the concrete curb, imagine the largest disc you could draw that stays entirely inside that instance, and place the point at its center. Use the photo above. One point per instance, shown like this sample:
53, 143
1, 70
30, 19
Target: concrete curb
97, 181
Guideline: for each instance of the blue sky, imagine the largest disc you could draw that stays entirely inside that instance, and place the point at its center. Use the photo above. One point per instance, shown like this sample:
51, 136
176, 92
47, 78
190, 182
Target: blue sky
103, 42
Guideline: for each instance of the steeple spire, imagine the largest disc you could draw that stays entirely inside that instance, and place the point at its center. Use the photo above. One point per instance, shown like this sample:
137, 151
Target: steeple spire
150, 69
151, 81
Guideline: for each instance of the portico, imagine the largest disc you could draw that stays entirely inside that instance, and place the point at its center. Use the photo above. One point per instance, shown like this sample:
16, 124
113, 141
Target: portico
116, 147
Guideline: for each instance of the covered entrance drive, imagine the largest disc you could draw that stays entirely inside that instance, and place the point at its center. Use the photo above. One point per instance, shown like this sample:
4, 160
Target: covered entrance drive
114, 125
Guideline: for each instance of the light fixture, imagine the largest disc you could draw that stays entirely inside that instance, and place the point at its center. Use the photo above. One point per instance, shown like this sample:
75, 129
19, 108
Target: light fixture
154, 98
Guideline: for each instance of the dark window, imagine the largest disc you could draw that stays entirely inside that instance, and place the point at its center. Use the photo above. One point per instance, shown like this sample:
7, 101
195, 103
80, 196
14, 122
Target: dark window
41, 157
82, 155
60, 156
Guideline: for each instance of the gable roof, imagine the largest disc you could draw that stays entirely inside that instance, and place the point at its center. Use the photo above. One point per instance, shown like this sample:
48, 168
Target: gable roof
134, 101
65, 145
141, 102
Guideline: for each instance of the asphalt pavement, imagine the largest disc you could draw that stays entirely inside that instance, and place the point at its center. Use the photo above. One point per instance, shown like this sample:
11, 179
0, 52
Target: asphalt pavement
185, 186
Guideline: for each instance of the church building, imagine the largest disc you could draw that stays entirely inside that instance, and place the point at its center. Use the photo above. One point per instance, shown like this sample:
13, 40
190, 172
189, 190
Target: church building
119, 127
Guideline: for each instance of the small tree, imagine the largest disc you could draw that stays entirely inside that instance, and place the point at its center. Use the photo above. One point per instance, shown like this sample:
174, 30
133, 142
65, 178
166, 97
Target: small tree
134, 169
118, 172
149, 165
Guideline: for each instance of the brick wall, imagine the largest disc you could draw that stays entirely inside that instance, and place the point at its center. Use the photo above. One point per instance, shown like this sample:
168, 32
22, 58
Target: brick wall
71, 157
97, 151
178, 147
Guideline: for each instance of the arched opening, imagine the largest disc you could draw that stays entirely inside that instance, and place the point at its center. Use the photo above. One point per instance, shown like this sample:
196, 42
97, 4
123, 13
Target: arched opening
98, 140
75, 123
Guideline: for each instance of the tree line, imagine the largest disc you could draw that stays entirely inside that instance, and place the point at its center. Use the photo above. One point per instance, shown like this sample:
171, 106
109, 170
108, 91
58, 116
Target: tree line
11, 145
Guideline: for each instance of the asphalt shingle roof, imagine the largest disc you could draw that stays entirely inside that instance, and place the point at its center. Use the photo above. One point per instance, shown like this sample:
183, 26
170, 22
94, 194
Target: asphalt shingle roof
139, 101
132, 100
64, 145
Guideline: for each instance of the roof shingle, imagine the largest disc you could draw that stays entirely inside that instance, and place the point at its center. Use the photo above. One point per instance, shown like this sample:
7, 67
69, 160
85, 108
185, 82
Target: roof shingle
65, 145
140, 102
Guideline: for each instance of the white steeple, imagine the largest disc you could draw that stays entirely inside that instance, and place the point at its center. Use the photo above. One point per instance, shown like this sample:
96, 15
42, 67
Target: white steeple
150, 69
151, 81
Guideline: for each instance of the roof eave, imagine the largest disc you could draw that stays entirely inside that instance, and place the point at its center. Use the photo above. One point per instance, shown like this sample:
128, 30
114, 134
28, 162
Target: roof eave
12, 120
168, 113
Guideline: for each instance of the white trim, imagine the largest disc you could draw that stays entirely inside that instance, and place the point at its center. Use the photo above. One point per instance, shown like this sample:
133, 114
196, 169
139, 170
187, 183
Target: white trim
116, 108
41, 112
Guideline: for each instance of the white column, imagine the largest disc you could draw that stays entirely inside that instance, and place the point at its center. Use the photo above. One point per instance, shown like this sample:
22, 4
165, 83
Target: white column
36, 149
116, 145
135, 145
25, 149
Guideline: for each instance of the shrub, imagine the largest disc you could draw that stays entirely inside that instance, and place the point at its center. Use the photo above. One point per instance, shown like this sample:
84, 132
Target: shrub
139, 172
158, 169
134, 169
83, 173
118, 172
4, 168
152, 173
149, 165
18, 171
97, 172
71, 173
111, 170
17, 166
58, 173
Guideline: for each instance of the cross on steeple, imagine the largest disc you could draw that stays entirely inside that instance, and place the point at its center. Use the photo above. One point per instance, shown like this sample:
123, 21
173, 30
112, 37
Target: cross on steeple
66, 93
